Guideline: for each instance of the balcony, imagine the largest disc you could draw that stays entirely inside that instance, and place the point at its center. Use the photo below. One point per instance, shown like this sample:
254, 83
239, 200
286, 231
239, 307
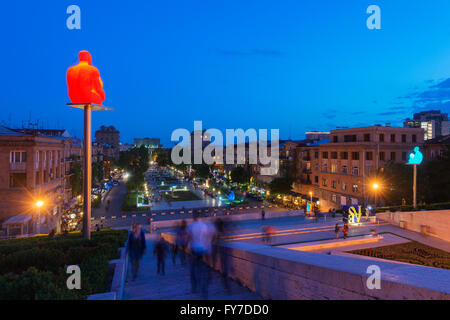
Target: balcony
18, 166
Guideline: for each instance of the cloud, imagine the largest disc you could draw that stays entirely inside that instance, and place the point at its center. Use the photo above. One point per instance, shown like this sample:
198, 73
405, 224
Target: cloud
435, 96
253, 52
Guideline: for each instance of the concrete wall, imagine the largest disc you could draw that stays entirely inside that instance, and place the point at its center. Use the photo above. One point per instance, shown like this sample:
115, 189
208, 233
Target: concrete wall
434, 223
233, 217
278, 273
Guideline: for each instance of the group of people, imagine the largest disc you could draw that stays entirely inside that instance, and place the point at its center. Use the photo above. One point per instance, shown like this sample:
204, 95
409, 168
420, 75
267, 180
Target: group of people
198, 238
344, 230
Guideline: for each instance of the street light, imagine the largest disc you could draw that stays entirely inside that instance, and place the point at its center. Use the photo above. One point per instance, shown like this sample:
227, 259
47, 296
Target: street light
39, 204
375, 187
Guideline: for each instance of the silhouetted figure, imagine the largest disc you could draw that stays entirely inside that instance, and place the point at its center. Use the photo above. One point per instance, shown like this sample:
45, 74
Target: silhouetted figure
336, 230
180, 243
136, 248
263, 214
160, 252
345, 230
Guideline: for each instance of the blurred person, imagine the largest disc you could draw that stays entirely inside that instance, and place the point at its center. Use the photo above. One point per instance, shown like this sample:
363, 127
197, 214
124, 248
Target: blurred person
345, 230
136, 248
180, 243
160, 252
336, 230
199, 237
263, 214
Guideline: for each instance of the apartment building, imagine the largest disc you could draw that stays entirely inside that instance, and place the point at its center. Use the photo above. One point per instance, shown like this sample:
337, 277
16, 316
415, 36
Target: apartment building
110, 136
35, 167
339, 172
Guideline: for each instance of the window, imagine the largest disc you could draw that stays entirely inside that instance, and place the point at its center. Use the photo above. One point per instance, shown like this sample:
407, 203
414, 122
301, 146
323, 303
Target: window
350, 138
333, 184
37, 159
316, 179
369, 155
414, 138
404, 156
316, 166
355, 171
316, 154
324, 182
325, 155
334, 155
381, 137
325, 167
38, 178
344, 186
355, 155
335, 139
393, 156
355, 188
333, 168
393, 137
382, 156
367, 137
334, 198
344, 155
403, 138
17, 156
344, 170
18, 180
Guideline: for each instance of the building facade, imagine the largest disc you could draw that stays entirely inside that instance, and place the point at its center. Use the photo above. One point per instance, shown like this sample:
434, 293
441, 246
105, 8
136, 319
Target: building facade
341, 172
110, 136
35, 167
434, 123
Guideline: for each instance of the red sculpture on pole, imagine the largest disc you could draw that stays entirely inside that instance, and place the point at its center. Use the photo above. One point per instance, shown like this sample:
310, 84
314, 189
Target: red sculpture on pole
84, 82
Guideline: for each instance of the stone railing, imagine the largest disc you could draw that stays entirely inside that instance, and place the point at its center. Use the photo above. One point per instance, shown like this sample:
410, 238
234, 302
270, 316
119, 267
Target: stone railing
279, 273
434, 223
118, 281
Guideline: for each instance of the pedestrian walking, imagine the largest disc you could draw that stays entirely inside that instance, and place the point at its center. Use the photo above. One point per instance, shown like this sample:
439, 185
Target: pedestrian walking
263, 214
180, 243
333, 213
160, 252
336, 230
345, 230
136, 247
199, 237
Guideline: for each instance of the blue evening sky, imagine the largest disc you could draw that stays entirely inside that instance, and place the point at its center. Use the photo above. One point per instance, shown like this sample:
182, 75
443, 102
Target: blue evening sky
293, 65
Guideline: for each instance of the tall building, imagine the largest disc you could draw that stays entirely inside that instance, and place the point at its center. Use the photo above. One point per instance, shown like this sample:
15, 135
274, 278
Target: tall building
434, 123
35, 166
339, 172
111, 136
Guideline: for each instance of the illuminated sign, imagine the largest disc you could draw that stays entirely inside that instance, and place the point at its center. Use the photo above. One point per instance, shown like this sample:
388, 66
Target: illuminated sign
353, 215
415, 157
84, 82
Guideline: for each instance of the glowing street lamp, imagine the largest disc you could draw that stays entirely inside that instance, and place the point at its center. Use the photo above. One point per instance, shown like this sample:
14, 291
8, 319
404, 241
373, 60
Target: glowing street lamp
375, 188
39, 204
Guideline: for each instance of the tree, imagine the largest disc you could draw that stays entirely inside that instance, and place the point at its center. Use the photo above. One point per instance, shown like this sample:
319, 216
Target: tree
202, 171
240, 175
280, 185
76, 179
97, 172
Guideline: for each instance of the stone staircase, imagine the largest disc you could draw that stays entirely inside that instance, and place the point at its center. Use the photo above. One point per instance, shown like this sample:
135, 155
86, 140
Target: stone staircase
175, 284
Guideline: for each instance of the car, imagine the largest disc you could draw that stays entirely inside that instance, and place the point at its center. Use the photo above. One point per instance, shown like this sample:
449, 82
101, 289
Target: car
116, 182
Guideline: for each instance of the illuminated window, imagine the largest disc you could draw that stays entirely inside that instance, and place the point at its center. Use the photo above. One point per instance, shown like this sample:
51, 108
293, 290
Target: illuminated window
355, 188
333, 168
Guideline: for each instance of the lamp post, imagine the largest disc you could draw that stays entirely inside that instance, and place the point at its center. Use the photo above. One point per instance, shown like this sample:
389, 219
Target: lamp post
415, 158
39, 204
